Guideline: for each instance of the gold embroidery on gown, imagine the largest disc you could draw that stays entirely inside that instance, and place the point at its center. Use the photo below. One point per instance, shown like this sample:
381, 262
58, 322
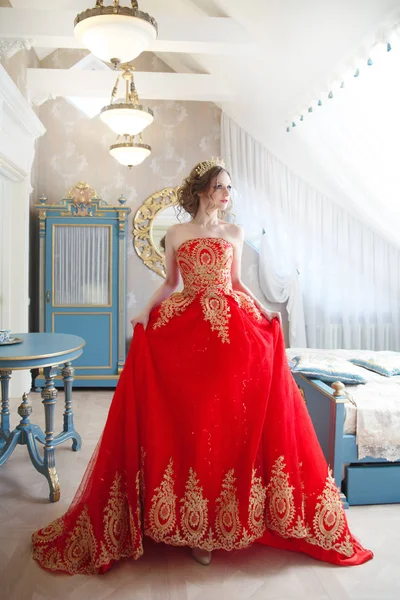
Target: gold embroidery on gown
205, 265
162, 515
81, 546
258, 493
172, 307
270, 506
121, 537
50, 559
194, 512
328, 522
217, 312
120, 530
247, 304
116, 518
49, 533
195, 529
228, 522
281, 509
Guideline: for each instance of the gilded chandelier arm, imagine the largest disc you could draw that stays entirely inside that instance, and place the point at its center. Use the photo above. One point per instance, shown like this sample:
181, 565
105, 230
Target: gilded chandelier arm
115, 89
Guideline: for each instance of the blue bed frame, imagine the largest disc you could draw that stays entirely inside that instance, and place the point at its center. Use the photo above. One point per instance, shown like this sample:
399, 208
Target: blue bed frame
365, 481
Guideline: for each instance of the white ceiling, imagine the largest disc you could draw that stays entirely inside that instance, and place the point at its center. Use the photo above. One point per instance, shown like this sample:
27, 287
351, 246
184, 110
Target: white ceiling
302, 45
291, 51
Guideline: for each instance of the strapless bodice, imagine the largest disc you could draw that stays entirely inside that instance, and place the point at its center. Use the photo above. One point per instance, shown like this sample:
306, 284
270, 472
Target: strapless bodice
205, 263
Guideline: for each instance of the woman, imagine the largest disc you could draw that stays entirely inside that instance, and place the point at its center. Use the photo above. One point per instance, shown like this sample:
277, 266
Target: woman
208, 443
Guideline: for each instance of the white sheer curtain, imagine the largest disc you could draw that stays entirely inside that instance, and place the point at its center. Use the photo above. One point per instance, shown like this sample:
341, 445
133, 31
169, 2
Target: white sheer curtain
350, 276
279, 275
82, 265
278, 271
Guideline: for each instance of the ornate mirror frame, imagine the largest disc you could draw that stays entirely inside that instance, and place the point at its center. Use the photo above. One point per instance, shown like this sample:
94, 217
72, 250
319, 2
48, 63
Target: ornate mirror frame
143, 241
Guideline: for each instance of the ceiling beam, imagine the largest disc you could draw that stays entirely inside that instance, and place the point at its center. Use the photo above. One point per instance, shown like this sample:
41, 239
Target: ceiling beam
194, 35
50, 83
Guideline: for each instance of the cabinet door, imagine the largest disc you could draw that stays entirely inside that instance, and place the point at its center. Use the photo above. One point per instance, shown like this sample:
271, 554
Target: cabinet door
81, 295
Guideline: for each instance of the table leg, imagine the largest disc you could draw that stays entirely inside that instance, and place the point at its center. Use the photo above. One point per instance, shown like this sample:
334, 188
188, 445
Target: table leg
69, 429
26, 430
5, 377
34, 387
8, 448
38, 433
68, 377
49, 395
22, 434
17, 436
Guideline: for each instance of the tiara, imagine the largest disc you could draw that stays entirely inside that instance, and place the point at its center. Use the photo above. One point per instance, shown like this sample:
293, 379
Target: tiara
209, 164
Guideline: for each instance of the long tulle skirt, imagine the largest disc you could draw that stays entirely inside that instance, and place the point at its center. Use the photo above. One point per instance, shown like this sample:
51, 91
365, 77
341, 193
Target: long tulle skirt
207, 444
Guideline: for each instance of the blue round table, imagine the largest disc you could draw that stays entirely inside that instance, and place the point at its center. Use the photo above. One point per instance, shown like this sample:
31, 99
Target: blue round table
47, 351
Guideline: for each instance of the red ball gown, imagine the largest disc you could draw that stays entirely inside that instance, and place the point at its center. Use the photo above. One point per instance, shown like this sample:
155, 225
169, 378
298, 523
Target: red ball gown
208, 442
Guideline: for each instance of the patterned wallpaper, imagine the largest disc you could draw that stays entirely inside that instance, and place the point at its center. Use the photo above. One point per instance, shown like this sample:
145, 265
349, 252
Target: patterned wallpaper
17, 65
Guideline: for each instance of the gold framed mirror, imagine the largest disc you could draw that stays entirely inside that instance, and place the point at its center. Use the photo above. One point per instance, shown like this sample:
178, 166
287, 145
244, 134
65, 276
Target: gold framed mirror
150, 224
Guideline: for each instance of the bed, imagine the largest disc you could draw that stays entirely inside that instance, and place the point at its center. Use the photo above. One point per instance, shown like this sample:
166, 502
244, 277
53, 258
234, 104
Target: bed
358, 427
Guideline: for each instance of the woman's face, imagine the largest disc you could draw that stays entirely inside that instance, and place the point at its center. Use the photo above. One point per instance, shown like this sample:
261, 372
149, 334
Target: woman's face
219, 192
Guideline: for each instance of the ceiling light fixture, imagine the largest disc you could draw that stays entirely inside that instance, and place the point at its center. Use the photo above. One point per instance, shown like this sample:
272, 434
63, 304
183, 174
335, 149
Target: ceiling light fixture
130, 153
116, 34
126, 116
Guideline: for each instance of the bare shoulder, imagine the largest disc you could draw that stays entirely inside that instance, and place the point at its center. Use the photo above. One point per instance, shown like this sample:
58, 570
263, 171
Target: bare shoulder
234, 232
175, 234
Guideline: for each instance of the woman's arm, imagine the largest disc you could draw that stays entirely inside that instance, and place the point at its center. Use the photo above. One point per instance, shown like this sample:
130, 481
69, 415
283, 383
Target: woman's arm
169, 285
237, 283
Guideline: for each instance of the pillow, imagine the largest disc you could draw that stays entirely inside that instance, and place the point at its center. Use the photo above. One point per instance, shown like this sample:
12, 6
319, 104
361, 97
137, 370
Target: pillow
384, 363
327, 368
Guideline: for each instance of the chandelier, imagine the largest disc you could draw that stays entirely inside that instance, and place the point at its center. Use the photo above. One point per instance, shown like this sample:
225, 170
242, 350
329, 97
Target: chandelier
130, 153
115, 33
126, 116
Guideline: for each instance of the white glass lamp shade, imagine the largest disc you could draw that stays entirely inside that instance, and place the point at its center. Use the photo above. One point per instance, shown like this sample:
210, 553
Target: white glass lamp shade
124, 118
115, 36
129, 153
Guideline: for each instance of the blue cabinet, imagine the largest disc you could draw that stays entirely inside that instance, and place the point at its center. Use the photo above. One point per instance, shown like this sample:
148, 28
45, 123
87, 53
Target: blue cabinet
82, 277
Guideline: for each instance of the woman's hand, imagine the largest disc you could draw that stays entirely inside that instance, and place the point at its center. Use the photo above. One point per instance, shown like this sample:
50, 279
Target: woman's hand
271, 314
142, 318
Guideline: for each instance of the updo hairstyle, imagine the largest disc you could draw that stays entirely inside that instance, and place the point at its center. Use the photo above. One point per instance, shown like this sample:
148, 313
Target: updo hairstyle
192, 186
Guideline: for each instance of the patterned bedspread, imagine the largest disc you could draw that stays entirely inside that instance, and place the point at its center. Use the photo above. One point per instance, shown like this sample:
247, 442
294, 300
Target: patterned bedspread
376, 417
